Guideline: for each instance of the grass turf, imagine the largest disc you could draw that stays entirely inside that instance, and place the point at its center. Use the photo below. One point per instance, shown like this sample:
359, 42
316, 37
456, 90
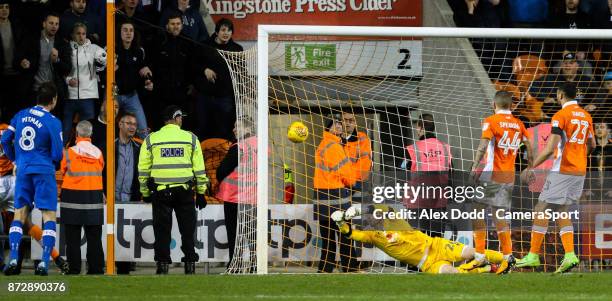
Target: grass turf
516, 286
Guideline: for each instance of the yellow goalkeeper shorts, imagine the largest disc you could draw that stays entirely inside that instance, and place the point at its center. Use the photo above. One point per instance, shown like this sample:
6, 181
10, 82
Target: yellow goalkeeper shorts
442, 252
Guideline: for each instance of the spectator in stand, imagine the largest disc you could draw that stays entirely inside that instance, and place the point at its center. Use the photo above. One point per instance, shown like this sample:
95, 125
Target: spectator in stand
98, 138
544, 89
216, 104
31, 13
171, 61
11, 35
153, 8
43, 58
131, 73
127, 150
569, 16
83, 80
486, 14
128, 10
600, 107
600, 164
607, 22
78, 14
193, 25
96, 8
601, 157
584, 65
528, 13
599, 12
477, 13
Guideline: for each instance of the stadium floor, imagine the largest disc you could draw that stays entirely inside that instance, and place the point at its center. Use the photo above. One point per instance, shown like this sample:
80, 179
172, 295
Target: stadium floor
516, 286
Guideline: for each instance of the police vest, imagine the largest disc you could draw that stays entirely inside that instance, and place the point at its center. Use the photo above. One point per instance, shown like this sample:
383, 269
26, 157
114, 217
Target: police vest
171, 156
245, 173
431, 161
540, 135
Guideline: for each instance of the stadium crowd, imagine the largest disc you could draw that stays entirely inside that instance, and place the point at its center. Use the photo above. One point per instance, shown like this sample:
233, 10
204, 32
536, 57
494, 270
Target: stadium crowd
165, 55
530, 69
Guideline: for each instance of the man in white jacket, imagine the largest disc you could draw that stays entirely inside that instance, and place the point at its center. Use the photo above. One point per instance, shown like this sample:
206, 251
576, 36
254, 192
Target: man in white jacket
82, 80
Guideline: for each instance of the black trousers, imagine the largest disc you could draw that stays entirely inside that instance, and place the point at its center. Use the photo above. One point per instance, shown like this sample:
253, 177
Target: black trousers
246, 214
230, 211
330, 236
181, 201
95, 254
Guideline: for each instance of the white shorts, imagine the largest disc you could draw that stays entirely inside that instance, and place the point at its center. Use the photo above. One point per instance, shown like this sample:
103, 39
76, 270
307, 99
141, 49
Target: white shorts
562, 189
7, 193
497, 194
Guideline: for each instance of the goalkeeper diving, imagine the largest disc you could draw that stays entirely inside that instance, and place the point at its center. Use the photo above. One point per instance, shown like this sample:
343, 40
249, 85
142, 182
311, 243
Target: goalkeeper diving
433, 255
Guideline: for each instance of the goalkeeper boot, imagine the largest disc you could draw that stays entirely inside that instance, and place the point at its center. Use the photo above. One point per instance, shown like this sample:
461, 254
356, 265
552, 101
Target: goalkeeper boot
162, 268
506, 265
569, 262
12, 268
62, 265
531, 260
487, 268
42, 269
190, 268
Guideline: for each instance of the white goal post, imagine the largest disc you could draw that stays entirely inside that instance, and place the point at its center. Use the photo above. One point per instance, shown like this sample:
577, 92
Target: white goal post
264, 34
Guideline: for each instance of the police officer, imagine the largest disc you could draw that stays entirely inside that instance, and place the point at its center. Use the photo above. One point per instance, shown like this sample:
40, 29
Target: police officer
170, 165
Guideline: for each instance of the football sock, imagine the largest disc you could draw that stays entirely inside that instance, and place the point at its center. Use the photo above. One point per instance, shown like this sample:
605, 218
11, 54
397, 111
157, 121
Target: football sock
15, 234
48, 240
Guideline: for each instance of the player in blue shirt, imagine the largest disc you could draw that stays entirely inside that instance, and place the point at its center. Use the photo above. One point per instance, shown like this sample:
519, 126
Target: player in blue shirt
34, 142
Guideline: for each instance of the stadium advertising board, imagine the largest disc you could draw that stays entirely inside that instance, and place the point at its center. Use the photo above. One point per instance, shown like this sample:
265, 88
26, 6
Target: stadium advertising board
293, 235
597, 240
329, 55
247, 14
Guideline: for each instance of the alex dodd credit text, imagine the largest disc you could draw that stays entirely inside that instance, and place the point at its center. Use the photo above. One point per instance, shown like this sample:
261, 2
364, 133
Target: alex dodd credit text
475, 214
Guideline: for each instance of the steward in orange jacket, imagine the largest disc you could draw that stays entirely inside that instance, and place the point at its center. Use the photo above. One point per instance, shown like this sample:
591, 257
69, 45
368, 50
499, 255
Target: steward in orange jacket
82, 201
334, 174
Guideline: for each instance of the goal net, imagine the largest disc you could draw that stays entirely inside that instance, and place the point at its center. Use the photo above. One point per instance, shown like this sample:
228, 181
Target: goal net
397, 86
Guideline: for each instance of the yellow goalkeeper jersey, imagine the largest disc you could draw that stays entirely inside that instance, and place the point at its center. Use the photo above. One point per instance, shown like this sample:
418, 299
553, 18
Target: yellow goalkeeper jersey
408, 246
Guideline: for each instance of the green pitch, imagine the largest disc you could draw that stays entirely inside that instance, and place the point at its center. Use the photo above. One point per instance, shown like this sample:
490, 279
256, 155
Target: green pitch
371, 287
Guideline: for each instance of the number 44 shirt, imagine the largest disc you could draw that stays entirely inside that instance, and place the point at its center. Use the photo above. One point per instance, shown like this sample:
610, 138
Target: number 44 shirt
505, 134
575, 126
34, 141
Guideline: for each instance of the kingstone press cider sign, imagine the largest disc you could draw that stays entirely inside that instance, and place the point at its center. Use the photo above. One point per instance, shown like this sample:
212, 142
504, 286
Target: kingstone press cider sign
329, 55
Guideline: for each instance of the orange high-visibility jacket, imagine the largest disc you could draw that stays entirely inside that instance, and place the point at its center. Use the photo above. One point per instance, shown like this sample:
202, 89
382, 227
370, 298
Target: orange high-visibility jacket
360, 154
82, 166
333, 167
6, 166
